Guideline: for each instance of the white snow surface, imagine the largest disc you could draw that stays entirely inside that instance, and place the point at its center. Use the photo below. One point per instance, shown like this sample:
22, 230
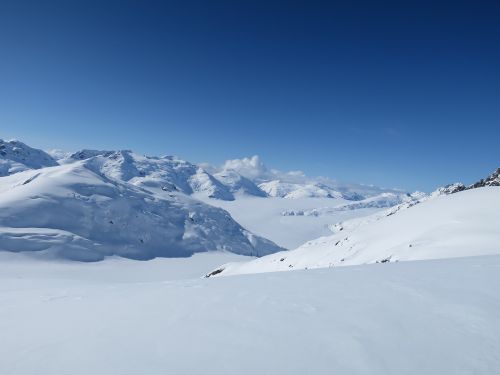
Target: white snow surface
457, 225
127, 317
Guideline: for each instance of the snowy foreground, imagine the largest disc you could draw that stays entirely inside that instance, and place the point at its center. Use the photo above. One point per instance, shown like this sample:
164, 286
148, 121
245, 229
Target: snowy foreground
127, 317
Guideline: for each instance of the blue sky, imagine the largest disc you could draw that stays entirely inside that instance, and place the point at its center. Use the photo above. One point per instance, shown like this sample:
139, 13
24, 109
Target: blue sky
398, 94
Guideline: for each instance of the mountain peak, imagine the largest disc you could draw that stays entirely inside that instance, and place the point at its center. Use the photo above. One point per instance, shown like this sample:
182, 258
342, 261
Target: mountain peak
492, 180
15, 156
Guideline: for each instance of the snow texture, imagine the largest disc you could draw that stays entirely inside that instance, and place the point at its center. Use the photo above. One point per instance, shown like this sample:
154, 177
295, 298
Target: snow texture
126, 318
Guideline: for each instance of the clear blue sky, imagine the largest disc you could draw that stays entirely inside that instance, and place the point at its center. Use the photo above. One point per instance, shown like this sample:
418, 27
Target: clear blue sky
403, 93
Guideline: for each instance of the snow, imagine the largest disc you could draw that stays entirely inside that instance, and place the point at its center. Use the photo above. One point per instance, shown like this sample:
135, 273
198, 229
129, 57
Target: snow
128, 317
457, 225
267, 217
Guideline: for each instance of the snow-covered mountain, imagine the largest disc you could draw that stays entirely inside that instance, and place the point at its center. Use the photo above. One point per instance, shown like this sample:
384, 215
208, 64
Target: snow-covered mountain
235, 178
76, 212
236, 183
280, 189
15, 157
157, 174
448, 223
98, 203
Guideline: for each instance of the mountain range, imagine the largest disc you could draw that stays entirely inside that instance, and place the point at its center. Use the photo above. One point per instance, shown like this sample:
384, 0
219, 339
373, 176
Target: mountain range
91, 204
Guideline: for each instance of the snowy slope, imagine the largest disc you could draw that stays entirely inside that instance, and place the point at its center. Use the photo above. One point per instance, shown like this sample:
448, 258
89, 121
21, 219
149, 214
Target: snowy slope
120, 317
456, 225
77, 211
15, 157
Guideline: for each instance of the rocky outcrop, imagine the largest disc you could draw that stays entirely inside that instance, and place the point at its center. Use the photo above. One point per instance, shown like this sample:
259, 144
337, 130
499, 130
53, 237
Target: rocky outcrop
492, 180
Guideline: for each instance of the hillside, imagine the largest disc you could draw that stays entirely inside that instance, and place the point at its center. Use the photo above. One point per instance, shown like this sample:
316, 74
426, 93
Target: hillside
456, 225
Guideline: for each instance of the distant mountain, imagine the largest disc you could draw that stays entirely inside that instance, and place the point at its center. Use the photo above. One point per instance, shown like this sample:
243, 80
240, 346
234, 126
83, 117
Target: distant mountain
236, 183
293, 184
492, 180
383, 200
280, 189
15, 157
